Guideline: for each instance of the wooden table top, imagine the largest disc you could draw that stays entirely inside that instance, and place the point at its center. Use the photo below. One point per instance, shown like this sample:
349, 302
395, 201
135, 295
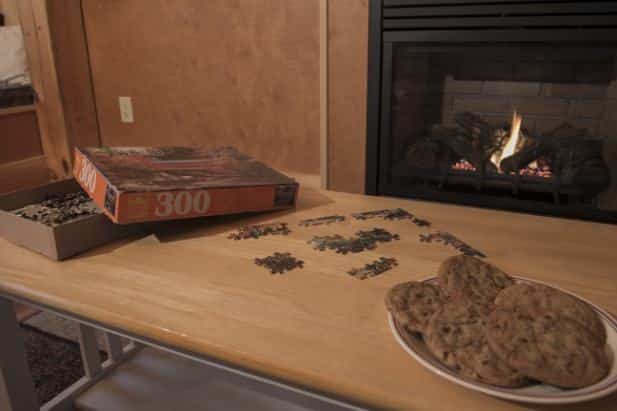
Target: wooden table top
196, 290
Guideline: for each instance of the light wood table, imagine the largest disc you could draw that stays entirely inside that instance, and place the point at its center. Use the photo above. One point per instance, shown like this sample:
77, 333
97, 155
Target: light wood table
198, 293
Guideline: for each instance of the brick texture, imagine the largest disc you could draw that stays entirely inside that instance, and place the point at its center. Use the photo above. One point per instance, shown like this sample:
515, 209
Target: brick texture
588, 108
511, 88
576, 91
495, 104
544, 106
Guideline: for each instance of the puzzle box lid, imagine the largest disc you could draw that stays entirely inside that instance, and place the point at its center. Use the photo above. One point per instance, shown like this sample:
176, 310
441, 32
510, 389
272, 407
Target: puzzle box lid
134, 184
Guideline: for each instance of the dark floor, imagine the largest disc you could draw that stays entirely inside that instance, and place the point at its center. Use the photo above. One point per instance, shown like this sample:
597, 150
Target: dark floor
55, 362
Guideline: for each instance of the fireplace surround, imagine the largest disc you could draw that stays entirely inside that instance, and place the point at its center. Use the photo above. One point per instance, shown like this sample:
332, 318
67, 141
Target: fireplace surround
503, 104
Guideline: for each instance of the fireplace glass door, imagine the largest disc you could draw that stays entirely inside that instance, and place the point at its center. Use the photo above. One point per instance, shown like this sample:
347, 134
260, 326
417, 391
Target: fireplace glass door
515, 125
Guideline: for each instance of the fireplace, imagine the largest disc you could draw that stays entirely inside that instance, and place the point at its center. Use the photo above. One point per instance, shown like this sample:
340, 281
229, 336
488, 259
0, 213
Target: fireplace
509, 104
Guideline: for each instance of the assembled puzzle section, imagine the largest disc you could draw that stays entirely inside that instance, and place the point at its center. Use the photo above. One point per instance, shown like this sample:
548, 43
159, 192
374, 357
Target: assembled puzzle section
137, 184
57, 220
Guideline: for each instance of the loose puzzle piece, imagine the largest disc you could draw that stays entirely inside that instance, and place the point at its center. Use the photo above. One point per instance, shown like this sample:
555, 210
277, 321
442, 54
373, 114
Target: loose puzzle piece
279, 263
59, 209
373, 269
322, 220
448, 239
341, 244
393, 214
260, 230
364, 240
378, 235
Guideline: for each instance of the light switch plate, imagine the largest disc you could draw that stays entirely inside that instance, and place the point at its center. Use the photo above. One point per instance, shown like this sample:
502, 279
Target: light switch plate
126, 109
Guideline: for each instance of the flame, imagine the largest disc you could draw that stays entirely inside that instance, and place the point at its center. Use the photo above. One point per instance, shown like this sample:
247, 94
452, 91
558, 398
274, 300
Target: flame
510, 147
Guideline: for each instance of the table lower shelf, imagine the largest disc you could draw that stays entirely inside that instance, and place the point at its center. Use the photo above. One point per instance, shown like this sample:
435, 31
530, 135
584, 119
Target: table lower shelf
155, 380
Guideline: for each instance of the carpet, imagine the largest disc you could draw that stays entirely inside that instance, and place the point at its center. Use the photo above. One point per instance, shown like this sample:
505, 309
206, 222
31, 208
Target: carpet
60, 327
55, 363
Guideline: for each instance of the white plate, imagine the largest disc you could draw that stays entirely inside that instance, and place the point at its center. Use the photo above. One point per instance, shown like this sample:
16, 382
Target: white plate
413, 344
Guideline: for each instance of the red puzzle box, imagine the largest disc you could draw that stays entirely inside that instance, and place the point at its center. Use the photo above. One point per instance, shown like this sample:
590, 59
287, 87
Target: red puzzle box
138, 184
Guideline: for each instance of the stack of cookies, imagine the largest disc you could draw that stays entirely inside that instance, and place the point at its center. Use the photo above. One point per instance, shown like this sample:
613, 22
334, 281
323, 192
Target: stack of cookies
482, 324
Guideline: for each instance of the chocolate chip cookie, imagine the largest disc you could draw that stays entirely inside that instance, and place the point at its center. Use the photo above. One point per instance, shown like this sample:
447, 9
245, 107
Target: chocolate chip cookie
535, 299
473, 279
413, 303
456, 335
547, 347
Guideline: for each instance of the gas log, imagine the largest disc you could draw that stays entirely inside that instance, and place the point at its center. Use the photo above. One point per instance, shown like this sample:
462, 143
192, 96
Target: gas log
472, 139
427, 153
574, 157
543, 145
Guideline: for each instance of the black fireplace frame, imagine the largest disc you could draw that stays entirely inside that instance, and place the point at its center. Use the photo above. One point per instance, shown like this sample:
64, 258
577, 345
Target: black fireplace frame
459, 21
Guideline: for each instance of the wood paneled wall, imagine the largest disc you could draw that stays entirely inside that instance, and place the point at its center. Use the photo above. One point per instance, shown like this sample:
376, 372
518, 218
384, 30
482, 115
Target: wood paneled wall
9, 9
73, 71
348, 45
216, 72
19, 135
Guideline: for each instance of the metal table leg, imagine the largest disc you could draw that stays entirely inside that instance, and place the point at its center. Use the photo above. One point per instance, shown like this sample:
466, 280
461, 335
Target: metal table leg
16, 387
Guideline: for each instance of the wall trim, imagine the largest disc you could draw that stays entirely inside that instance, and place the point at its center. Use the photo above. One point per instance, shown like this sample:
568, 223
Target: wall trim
323, 93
